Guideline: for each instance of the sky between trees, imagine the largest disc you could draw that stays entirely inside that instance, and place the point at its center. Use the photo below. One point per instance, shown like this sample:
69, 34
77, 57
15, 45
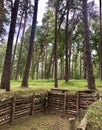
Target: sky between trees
42, 6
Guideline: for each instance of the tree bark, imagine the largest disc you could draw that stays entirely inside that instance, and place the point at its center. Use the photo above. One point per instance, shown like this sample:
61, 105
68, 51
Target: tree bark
55, 46
100, 45
91, 80
66, 44
33, 67
6, 75
22, 39
37, 63
50, 63
45, 68
31, 44
14, 52
1, 11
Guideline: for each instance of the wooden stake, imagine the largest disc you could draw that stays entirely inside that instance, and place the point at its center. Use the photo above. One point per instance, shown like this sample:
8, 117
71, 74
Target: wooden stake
33, 103
65, 102
13, 108
78, 98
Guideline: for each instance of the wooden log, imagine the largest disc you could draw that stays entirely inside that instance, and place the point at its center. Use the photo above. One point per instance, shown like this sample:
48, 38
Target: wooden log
57, 105
4, 122
38, 111
72, 123
21, 115
55, 94
65, 102
5, 109
56, 102
59, 90
5, 112
77, 102
22, 112
83, 124
32, 104
5, 117
56, 98
13, 108
46, 102
21, 106
22, 101
39, 105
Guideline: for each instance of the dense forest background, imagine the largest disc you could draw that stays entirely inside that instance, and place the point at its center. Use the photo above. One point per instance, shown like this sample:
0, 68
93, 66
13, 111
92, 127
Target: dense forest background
68, 44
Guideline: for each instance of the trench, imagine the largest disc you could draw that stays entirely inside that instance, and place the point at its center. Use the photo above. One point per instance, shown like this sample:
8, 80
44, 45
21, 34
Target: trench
57, 101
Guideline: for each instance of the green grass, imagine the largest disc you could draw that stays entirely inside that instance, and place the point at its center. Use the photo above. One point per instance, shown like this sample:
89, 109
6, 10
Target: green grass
39, 122
94, 115
44, 122
39, 86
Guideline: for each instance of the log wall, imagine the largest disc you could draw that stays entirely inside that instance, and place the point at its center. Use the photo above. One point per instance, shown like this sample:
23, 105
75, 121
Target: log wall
70, 105
59, 102
17, 107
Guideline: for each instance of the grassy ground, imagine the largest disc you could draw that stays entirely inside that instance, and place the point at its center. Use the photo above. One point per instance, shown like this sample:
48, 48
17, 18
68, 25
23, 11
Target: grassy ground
43, 85
39, 86
94, 114
43, 122
39, 122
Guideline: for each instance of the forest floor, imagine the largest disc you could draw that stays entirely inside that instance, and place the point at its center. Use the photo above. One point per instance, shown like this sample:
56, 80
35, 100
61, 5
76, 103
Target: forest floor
39, 122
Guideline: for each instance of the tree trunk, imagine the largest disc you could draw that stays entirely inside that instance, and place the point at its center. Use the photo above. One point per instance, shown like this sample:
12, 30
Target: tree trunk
42, 69
1, 11
45, 72
91, 80
50, 63
100, 45
31, 44
80, 66
61, 68
37, 63
22, 39
55, 46
33, 67
6, 75
14, 52
66, 44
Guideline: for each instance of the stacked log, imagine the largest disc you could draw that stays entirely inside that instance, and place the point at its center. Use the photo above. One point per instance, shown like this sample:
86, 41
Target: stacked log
40, 103
56, 102
22, 106
60, 102
17, 107
72, 105
5, 111
86, 99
